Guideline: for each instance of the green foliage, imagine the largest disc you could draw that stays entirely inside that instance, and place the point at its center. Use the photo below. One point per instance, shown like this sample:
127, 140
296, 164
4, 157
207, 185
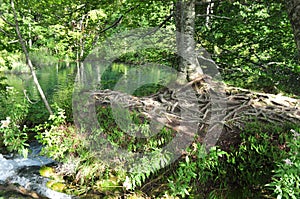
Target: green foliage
13, 138
241, 171
244, 40
70, 30
13, 132
63, 98
286, 179
12, 62
161, 56
3, 90
144, 167
136, 138
186, 172
197, 169
64, 143
42, 57
57, 138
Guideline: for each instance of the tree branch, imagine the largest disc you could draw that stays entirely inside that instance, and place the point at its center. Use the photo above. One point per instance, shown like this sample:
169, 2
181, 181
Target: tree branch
4, 32
159, 26
206, 2
114, 24
9, 23
25, 51
215, 16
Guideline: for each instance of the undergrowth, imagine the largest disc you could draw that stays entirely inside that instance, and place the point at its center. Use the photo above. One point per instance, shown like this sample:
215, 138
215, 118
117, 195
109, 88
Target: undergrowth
264, 164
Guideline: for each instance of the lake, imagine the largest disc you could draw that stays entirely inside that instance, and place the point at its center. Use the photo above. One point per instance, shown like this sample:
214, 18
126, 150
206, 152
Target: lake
57, 82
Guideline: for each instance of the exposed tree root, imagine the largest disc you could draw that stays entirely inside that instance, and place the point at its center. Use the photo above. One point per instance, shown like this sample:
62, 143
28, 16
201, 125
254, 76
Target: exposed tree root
211, 106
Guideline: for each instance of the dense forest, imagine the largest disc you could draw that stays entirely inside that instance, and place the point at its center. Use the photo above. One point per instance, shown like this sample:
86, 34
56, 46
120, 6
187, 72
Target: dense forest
151, 99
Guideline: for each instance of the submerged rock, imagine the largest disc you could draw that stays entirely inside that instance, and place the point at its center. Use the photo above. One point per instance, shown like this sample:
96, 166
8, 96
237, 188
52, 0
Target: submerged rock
47, 172
22, 176
56, 186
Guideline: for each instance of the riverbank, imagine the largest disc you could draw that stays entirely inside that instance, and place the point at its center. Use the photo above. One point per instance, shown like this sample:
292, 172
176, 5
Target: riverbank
17, 192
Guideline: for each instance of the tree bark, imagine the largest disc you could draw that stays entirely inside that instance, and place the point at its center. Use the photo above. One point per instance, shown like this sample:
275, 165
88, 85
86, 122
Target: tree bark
189, 67
209, 11
293, 9
28, 61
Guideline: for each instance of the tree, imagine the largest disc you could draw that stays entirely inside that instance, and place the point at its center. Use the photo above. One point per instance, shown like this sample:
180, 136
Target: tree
293, 8
28, 61
252, 43
185, 15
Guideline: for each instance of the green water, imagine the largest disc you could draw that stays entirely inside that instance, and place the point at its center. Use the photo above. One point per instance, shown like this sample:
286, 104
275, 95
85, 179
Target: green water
57, 82
53, 80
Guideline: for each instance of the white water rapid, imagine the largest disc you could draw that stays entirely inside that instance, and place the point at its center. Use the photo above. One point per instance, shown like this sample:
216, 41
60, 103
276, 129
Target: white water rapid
25, 173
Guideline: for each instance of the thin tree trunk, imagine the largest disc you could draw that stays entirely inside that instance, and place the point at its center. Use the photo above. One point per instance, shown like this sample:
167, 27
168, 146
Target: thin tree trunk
82, 40
209, 10
293, 9
36, 82
29, 34
189, 67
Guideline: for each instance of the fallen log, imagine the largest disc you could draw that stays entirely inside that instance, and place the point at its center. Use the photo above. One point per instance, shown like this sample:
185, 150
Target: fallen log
210, 105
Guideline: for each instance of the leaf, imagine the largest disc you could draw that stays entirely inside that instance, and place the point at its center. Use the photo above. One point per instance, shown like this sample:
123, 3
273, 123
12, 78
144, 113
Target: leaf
187, 159
2, 23
143, 177
97, 14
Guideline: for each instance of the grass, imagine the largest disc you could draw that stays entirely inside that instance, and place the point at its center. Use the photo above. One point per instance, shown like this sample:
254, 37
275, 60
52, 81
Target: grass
241, 171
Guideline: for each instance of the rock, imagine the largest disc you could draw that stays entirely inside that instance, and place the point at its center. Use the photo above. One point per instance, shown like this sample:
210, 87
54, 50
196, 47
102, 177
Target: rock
16, 191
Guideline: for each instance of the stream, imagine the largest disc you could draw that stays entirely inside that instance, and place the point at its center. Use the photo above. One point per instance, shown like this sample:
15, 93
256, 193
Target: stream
24, 172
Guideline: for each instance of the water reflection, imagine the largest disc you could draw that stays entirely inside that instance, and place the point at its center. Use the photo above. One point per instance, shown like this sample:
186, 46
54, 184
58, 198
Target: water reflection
57, 82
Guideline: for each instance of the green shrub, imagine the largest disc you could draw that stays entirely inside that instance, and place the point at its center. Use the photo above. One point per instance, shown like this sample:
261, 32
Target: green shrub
13, 138
286, 179
240, 172
13, 134
64, 143
58, 138
42, 57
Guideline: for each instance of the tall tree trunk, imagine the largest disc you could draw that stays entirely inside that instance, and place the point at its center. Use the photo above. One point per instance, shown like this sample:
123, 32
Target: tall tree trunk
293, 8
36, 82
189, 67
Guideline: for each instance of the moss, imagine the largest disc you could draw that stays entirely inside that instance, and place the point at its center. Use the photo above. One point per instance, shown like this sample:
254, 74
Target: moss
47, 172
107, 184
56, 186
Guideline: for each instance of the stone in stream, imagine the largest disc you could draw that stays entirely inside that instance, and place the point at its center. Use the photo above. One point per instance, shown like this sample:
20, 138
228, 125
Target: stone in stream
21, 175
